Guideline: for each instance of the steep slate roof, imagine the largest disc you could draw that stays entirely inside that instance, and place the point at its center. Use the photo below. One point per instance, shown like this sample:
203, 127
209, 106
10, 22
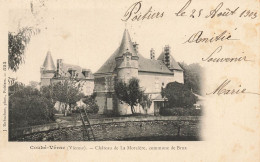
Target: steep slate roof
126, 45
110, 65
174, 65
145, 65
149, 65
48, 63
66, 67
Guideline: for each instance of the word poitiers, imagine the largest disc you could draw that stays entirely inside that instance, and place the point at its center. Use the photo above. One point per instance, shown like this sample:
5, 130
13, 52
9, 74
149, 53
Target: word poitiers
136, 12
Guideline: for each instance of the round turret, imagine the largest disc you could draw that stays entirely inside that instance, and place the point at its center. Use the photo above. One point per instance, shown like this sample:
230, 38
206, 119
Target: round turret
126, 65
47, 70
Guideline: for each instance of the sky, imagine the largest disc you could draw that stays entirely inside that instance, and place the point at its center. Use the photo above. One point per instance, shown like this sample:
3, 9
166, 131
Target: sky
88, 32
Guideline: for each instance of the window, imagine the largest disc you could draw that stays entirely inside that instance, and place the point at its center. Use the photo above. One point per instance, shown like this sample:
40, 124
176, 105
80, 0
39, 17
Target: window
157, 88
127, 61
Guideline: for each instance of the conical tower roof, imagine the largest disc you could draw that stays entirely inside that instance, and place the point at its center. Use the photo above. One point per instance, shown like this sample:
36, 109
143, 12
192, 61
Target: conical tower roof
145, 65
48, 63
126, 45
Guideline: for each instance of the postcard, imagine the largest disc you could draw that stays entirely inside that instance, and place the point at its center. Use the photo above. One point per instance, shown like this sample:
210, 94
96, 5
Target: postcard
130, 80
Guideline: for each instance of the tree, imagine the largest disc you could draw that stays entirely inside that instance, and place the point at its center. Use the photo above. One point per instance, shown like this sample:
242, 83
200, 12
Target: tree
179, 95
17, 43
31, 23
47, 92
67, 91
34, 84
28, 107
193, 77
14, 86
131, 93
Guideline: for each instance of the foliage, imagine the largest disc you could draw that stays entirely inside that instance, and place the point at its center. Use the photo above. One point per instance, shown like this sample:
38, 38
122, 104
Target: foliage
47, 92
34, 84
16, 86
67, 91
91, 103
193, 77
131, 93
180, 112
179, 95
28, 107
17, 43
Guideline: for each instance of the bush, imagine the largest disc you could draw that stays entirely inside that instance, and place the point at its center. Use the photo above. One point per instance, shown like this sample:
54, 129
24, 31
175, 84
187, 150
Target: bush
180, 112
179, 95
91, 104
27, 108
193, 76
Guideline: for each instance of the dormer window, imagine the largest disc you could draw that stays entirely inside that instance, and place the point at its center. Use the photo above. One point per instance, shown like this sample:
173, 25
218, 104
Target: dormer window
86, 72
72, 72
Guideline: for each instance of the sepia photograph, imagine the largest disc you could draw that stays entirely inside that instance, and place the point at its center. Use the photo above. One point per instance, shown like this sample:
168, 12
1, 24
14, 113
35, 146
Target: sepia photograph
57, 94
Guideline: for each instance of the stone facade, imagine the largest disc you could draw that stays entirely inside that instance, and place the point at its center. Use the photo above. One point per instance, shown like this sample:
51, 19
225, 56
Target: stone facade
126, 62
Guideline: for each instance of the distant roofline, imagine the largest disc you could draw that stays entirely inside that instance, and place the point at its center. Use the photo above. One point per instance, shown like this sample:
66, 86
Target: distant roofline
110, 73
171, 73
73, 66
63, 78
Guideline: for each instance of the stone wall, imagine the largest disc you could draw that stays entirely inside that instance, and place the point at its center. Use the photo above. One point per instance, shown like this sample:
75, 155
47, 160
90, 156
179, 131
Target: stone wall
113, 129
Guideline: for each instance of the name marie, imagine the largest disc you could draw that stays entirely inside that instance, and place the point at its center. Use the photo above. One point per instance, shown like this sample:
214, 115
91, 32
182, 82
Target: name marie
223, 89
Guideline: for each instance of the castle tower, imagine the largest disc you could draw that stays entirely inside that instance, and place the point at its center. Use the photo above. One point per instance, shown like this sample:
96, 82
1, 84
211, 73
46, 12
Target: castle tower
127, 59
126, 65
47, 70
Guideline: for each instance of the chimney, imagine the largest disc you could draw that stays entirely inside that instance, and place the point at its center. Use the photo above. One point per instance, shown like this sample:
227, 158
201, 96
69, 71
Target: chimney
167, 56
59, 67
152, 54
136, 47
